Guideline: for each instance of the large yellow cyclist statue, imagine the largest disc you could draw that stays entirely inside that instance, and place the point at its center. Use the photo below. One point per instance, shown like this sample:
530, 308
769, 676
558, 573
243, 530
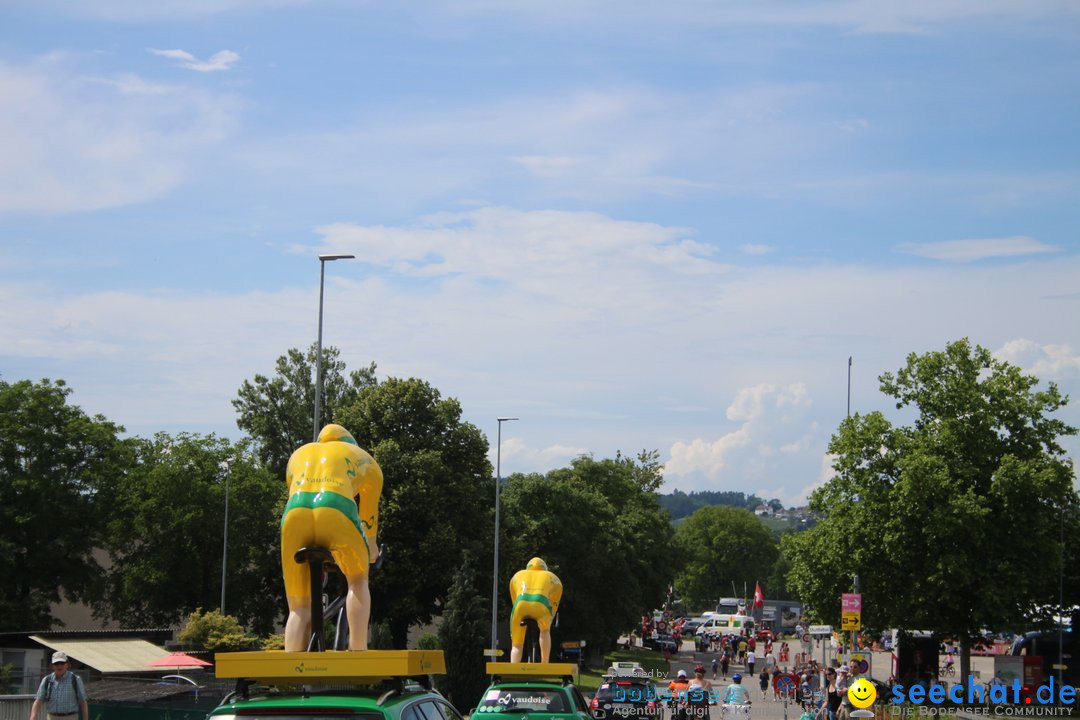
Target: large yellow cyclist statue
536, 592
334, 490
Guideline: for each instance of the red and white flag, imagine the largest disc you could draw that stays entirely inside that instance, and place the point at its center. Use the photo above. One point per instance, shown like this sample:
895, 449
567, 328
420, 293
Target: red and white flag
758, 608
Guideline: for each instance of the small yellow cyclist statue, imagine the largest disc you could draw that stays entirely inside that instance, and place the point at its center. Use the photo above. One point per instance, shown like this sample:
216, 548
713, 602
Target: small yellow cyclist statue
535, 592
334, 489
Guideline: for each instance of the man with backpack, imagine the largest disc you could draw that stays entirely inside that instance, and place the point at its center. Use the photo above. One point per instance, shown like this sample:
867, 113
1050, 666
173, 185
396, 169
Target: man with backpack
62, 693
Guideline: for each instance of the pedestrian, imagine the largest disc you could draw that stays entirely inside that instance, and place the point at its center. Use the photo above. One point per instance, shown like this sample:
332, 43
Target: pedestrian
715, 665
773, 674
770, 660
763, 681
832, 694
843, 682
61, 692
699, 695
725, 660
677, 690
750, 660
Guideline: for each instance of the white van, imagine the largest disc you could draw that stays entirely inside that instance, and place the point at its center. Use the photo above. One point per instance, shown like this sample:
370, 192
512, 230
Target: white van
725, 624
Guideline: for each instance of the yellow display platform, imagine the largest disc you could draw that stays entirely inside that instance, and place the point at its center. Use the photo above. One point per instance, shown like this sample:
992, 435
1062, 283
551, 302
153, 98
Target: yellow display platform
338, 666
530, 670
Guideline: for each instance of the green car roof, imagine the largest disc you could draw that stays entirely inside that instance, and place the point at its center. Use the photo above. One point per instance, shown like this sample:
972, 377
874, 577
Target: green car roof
331, 702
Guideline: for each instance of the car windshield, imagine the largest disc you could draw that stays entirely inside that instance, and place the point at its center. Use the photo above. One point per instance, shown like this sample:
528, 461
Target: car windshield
526, 700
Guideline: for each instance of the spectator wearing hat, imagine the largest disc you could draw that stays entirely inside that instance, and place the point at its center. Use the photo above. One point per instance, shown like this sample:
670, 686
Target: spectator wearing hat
678, 690
61, 692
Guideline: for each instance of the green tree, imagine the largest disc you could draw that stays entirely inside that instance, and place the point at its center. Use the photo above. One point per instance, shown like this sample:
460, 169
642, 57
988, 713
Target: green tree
277, 412
166, 527
434, 506
213, 631
461, 635
953, 523
54, 460
598, 525
718, 545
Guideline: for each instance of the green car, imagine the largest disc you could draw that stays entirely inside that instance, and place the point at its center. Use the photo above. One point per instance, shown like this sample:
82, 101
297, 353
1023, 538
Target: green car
412, 702
373, 685
537, 695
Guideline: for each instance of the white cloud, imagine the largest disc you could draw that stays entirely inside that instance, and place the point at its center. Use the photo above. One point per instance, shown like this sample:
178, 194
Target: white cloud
706, 457
1051, 362
971, 250
763, 411
517, 456
77, 142
749, 404
751, 249
219, 61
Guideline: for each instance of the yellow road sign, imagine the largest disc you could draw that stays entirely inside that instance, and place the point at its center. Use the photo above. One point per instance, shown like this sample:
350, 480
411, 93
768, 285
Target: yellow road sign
851, 621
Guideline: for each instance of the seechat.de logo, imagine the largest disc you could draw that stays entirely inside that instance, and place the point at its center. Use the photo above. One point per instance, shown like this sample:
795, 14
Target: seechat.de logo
1002, 698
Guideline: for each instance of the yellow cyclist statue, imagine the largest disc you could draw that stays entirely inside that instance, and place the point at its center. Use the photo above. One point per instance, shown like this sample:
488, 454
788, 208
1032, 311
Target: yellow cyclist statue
536, 592
334, 489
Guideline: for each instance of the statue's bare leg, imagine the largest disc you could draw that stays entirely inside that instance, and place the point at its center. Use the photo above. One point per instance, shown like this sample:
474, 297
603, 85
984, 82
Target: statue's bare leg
358, 611
298, 626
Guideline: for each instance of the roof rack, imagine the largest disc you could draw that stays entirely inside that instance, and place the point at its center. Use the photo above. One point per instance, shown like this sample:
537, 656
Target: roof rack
331, 666
531, 671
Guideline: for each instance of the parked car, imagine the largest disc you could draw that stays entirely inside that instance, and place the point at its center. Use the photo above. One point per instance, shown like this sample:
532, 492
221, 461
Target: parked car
408, 701
661, 643
513, 699
625, 697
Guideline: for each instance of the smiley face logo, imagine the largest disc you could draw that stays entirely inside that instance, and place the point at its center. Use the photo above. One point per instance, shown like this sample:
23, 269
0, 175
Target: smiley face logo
862, 693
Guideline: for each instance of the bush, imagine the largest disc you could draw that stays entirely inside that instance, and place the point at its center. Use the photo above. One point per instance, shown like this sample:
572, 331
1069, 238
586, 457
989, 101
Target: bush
429, 641
214, 631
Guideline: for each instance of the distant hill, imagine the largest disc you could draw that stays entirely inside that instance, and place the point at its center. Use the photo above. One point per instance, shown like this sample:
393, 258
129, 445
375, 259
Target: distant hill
680, 505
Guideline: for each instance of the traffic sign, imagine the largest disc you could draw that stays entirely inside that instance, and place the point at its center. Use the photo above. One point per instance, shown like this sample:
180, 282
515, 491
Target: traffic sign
786, 684
851, 611
821, 629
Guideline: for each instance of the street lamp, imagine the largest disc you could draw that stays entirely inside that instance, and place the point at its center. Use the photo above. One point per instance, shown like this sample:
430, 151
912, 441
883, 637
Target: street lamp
495, 571
224, 465
323, 259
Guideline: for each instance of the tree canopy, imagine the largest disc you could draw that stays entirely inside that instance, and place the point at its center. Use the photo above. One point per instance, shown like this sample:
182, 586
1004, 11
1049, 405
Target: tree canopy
277, 412
953, 523
717, 546
54, 460
598, 526
166, 524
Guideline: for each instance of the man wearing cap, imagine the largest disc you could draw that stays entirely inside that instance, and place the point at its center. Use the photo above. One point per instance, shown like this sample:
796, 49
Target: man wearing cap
677, 690
62, 693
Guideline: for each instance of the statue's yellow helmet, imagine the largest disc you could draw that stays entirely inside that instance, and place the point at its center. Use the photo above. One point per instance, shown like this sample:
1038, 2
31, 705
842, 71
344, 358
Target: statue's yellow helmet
332, 433
536, 564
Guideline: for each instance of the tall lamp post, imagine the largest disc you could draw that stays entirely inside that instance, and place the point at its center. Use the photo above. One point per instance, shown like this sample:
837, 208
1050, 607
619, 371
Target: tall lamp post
495, 571
323, 259
224, 465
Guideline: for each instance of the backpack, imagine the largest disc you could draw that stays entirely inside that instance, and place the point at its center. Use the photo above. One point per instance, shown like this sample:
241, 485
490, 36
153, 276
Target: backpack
80, 692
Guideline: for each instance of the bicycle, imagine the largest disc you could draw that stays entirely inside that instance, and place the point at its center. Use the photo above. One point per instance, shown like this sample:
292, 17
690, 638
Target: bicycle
947, 670
325, 575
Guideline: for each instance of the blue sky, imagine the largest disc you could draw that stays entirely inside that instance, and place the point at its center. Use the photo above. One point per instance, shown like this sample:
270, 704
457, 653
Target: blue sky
633, 225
